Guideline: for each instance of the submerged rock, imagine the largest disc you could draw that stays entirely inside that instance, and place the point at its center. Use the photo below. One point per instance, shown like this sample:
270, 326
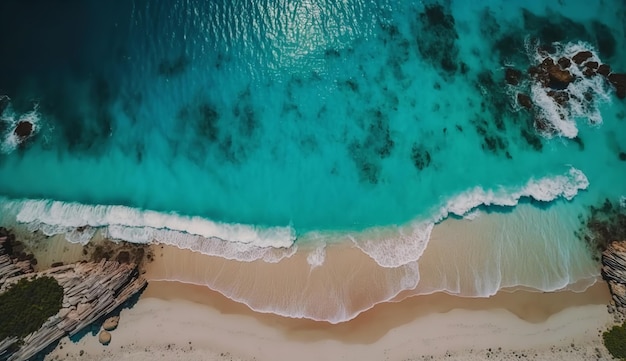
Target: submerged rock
512, 76
561, 97
524, 100
4, 103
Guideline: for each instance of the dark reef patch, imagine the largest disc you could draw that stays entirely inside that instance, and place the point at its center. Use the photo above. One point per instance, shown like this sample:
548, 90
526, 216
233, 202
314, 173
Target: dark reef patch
87, 128
420, 156
375, 147
604, 40
4, 103
496, 112
604, 224
436, 38
553, 27
173, 67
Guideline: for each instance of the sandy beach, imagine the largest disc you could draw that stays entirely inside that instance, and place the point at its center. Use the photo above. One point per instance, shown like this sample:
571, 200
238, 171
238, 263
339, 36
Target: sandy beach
176, 321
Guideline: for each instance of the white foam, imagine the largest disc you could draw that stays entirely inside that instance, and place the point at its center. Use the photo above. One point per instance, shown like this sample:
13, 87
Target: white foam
395, 247
316, 257
398, 246
79, 221
472, 215
10, 141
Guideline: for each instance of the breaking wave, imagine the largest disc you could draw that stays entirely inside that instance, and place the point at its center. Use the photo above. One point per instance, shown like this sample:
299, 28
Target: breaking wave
389, 246
406, 244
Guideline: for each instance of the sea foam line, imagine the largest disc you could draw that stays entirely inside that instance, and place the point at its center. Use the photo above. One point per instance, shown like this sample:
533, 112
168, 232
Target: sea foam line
407, 244
79, 221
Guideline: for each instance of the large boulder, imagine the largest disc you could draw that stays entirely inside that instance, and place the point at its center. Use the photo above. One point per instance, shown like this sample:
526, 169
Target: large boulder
104, 337
23, 129
581, 56
512, 76
564, 62
111, 323
619, 82
550, 74
604, 70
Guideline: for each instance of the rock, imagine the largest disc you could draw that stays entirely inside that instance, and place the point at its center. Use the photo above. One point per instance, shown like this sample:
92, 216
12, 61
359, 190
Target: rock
82, 308
542, 125
619, 82
104, 337
512, 76
588, 72
551, 75
524, 100
604, 70
24, 129
111, 323
564, 62
560, 97
580, 57
592, 64
614, 272
559, 78
64, 312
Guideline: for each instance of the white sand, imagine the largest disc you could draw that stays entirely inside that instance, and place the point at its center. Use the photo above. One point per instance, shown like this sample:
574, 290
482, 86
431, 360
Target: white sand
175, 328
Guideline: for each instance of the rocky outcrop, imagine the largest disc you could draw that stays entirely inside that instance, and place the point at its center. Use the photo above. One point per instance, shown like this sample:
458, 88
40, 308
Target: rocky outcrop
581, 56
92, 290
555, 76
614, 272
111, 323
619, 82
23, 129
551, 75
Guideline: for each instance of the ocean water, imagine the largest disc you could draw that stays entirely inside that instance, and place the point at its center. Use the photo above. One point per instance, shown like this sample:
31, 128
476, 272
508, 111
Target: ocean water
249, 130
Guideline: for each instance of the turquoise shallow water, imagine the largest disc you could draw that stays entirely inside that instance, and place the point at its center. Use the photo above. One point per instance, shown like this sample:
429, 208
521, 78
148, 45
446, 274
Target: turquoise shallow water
260, 122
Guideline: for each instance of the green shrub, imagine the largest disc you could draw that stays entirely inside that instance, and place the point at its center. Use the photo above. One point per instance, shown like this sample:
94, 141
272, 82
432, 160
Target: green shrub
26, 305
615, 341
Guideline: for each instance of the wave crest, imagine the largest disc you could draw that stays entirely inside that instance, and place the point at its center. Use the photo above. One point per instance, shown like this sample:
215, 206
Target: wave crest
407, 244
79, 221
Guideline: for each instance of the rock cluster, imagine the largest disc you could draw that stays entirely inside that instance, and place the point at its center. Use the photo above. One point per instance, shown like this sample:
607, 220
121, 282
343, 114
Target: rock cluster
614, 272
91, 291
555, 76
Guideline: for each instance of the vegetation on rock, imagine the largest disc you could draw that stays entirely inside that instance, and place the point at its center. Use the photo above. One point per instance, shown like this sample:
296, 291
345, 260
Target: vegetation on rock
615, 341
26, 305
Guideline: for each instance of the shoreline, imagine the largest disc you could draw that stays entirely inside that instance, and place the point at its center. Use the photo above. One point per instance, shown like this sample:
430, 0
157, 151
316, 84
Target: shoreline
173, 320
